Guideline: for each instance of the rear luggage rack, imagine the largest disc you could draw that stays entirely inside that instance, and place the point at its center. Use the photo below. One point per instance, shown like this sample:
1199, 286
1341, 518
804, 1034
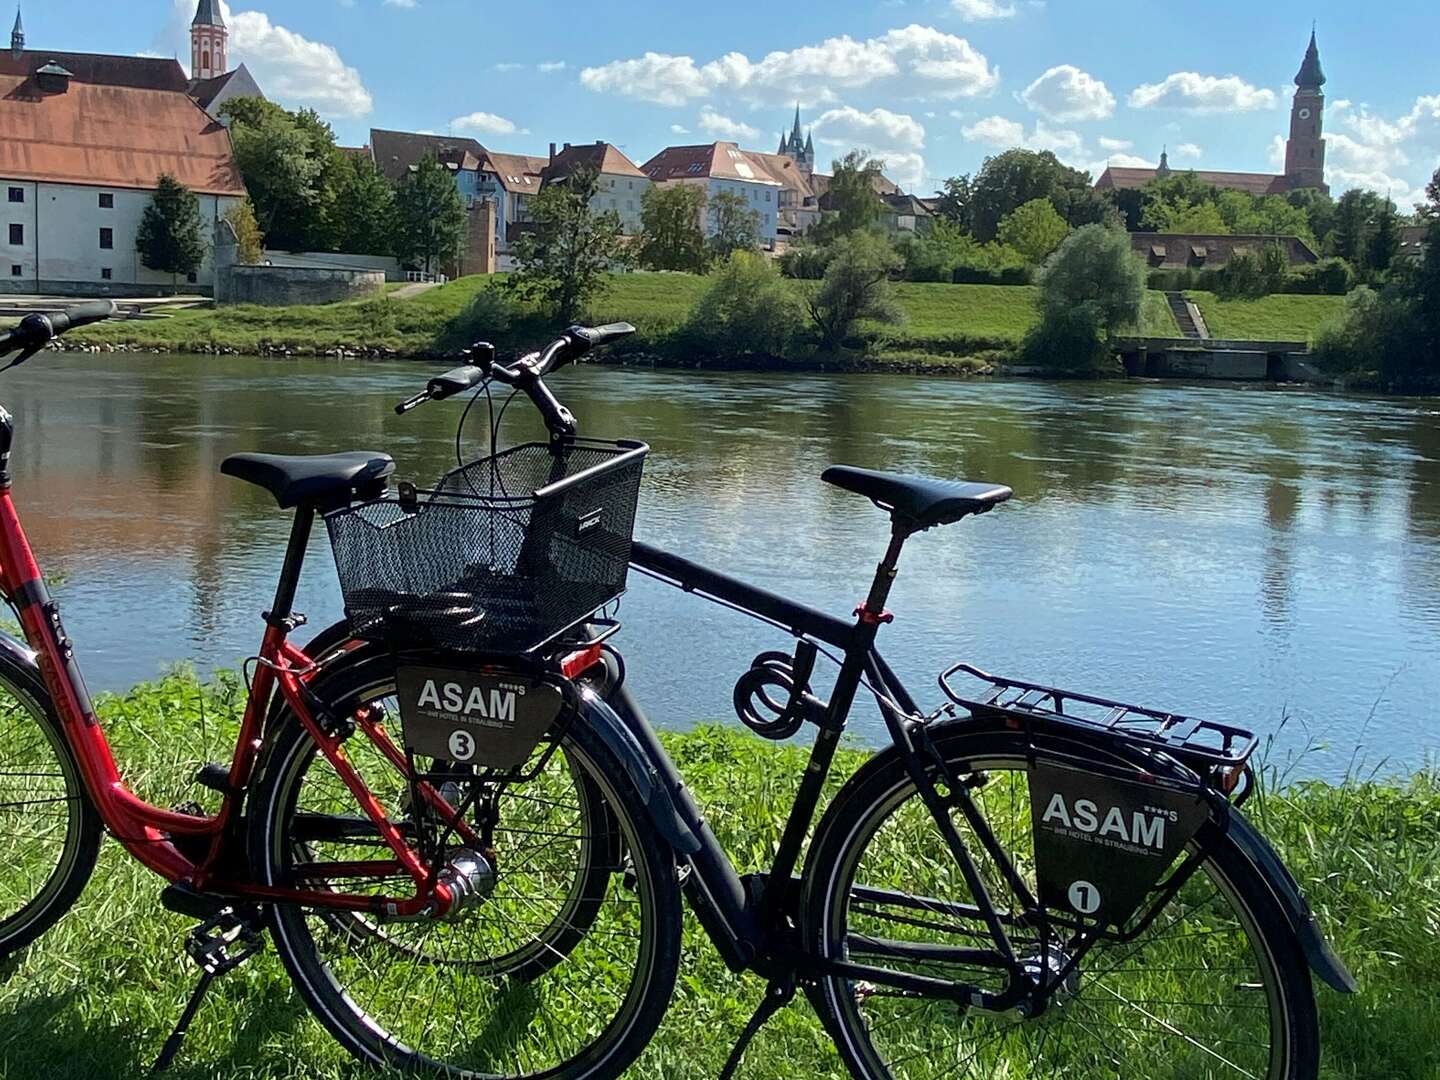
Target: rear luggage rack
1196, 741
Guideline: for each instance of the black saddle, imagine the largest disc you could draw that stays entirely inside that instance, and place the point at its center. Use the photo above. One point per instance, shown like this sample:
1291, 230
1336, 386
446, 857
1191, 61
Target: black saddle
316, 479
918, 502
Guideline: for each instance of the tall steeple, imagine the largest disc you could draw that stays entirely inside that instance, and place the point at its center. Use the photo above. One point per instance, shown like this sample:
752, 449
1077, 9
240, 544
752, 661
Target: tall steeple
209, 41
795, 135
1164, 169
17, 35
1305, 149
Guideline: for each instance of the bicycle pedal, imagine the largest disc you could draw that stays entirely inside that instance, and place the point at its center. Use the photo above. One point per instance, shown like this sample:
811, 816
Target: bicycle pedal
214, 776
225, 941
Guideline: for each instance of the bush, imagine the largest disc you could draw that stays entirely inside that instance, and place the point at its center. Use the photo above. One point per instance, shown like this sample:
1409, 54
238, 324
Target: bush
805, 262
1242, 279
487, 317
856, 286
1328, 277
748, 310
979, 275
1374, 337
1070, 341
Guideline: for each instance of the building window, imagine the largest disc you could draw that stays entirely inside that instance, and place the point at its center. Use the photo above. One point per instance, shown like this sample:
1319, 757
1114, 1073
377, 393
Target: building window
16, 271
107, 201
17, 194
17, 235
107, 239
106, 274
191, 278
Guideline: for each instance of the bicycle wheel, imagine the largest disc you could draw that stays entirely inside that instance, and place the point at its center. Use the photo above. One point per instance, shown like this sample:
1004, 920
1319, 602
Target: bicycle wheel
563, 970
1215, 988
49, 830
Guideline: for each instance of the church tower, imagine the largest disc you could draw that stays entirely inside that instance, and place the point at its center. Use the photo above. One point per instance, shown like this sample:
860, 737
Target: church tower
801, 149
17, 36
208, 38
1305, 150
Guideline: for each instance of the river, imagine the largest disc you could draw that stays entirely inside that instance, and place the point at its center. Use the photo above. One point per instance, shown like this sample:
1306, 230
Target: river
1266, 557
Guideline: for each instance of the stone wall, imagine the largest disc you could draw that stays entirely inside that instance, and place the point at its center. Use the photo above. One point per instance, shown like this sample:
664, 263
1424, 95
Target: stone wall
280, 286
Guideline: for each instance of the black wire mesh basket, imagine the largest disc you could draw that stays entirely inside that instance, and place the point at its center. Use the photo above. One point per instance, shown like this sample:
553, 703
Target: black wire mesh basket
503, 555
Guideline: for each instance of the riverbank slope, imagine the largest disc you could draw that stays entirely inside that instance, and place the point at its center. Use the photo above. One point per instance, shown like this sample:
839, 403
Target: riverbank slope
107, 983
963, 327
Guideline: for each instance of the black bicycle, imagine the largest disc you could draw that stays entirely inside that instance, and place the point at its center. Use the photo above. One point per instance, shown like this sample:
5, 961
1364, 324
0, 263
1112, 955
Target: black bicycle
1027, 882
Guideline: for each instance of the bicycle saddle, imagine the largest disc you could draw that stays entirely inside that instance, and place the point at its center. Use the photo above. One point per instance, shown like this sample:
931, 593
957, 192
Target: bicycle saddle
918, 502
317, 479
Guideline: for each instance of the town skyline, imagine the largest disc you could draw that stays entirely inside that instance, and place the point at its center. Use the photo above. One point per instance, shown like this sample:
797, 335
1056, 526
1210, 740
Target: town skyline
931, 87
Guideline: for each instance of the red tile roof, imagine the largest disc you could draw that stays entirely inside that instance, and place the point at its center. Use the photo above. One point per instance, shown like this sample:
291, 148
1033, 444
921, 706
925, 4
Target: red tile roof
112, 134
720, 160
601, 156
1123, 179
517, 172
139, 72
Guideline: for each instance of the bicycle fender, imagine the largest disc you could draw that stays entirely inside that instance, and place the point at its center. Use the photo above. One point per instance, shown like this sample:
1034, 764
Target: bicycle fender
1318, 953
23, 661
639, 769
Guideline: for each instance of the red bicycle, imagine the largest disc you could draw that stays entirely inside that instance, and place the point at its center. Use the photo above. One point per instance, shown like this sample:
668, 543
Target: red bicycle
433, 909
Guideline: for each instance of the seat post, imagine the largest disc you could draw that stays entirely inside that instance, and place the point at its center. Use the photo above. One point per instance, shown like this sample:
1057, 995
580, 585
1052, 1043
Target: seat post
294, 559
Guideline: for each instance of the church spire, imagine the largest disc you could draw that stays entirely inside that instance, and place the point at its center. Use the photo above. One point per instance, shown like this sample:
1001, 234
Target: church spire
17, 35
207, 13
1311, 75
1164, 169
795, 136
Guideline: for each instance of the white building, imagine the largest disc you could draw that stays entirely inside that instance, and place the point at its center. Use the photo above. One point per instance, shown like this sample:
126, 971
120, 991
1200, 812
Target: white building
86, 139
621, 184
722, 166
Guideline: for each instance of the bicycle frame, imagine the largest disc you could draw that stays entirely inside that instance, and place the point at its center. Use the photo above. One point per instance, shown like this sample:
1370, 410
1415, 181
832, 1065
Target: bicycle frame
167, 841
746, 922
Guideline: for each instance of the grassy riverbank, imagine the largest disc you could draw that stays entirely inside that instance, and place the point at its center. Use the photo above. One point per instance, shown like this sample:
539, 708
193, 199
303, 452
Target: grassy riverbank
96, 998
945, 325
1280, 317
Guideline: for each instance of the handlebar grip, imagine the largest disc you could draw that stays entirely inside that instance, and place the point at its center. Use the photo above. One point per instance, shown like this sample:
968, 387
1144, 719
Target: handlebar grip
80, 315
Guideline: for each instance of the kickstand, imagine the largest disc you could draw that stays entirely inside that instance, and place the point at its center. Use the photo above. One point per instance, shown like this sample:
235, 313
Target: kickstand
218, 946
777, 995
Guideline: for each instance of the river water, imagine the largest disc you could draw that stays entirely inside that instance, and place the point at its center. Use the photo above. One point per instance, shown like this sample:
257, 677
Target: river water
1271, 558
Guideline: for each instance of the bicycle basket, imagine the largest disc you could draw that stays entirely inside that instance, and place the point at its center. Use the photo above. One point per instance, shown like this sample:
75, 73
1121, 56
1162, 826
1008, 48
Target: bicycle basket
502, 556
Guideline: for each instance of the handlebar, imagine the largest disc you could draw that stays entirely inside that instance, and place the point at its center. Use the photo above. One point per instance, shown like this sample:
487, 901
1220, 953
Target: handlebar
525, 374
37, 330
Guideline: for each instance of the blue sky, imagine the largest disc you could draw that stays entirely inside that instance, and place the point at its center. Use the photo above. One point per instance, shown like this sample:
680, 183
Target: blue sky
932, 85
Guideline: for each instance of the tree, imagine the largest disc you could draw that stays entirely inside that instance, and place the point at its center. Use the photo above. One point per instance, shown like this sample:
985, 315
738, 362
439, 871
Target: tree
1095, 266
672, 237
853, 199
1384, 239
429, 216
249, 240
171, 238
1008, 181
748, 309
1355, 215
365, 210
1432, 192
1034, 229
733, 225
856, 286
564, 261
955, 200
292, 170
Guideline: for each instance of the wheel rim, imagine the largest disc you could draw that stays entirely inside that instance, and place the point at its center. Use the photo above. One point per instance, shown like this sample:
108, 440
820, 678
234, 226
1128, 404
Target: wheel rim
511, 987
41, 807
1195, 996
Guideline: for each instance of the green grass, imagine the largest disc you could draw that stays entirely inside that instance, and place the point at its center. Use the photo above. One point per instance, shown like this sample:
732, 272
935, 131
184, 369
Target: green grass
1281, 317
96, 997
942, 321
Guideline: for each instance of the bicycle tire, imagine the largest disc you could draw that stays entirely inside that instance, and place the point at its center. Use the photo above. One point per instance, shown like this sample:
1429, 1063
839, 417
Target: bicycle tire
387, 1040
878, 795
30, 734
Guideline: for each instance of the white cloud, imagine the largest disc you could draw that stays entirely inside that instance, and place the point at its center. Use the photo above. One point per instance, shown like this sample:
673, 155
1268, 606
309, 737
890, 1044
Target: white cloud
1189, 150
401, 3
1196, 93
1065, 93
1125, 161
1107, 143
848, 126
547, 66
484, 123
291, 68
1005, 134
906, 169
508, 65
722, 127
977, 10
1277, 152
995, 131
1394, 157
679, 129
915, 59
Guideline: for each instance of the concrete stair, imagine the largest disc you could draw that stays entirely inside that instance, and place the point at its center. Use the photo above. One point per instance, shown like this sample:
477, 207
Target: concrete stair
1187, 316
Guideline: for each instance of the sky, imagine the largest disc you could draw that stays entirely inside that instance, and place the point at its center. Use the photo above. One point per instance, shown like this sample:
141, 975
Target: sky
931, 86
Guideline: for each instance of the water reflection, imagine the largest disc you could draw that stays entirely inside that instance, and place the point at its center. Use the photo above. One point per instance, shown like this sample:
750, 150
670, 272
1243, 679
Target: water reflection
1243, 553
